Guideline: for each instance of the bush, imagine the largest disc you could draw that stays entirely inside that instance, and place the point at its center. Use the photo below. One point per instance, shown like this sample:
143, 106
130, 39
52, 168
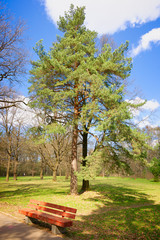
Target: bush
155, 168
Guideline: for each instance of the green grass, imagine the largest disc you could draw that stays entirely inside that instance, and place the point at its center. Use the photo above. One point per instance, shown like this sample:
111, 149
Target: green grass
114, 208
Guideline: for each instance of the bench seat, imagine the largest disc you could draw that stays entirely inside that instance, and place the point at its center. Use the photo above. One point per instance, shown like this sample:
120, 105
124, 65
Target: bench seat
59, 217
48, 218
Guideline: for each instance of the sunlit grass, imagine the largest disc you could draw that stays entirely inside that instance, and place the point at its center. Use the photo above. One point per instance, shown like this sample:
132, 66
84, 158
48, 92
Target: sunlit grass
119, 208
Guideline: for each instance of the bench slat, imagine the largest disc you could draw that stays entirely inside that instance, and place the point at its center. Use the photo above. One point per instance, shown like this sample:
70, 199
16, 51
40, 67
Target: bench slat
61, 222
45, 212
51, 205
57, 212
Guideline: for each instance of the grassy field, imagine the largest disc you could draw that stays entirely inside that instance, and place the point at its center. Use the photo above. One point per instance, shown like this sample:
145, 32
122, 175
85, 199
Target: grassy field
114, 208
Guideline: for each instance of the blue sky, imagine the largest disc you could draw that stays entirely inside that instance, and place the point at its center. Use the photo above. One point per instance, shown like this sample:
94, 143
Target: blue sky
135, 20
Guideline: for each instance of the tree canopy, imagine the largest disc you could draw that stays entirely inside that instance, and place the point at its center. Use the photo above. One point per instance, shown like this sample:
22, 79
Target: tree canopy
75, 86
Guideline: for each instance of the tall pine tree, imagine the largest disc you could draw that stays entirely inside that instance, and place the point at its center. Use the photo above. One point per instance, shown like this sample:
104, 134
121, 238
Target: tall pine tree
75, 86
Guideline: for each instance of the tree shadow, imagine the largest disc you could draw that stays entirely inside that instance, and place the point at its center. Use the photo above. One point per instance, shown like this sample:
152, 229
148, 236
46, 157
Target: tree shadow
122, 213
117, 195
30, 190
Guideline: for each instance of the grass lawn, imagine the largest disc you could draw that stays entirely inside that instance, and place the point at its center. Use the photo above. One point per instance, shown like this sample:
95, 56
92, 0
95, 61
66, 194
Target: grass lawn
114, 208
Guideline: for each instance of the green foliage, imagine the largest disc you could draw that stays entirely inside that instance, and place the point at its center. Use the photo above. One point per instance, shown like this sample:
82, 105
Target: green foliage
93, 167
154, 167
74, 18
85, 90
70, 73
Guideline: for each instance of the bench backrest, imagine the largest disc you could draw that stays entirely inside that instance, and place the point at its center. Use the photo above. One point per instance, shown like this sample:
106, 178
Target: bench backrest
53, 208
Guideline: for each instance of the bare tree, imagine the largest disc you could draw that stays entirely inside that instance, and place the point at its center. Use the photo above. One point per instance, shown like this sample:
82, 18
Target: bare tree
7, 127
55, 151
17, 145
9, 98
11, 127
103, 40
13, 57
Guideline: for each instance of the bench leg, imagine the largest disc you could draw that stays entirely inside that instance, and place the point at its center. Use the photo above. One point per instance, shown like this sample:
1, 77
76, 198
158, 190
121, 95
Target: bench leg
57, 230
28, 220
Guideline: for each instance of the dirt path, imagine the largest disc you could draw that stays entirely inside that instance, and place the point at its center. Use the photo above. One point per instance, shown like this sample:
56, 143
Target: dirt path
12, 229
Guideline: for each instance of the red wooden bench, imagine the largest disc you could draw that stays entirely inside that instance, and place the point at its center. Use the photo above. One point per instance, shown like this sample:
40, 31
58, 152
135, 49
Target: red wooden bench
47, 212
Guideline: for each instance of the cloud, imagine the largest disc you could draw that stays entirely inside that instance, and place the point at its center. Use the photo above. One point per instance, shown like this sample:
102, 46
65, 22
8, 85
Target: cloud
143, 123
26, 115
150, 105
22, 114
107, 16
152, 36
144, 115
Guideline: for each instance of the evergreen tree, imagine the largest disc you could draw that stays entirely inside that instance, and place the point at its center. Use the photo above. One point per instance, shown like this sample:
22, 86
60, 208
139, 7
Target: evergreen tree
154, 167
76, 87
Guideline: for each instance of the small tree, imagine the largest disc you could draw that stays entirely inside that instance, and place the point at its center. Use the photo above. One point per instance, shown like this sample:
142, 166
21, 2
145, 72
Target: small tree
155, 168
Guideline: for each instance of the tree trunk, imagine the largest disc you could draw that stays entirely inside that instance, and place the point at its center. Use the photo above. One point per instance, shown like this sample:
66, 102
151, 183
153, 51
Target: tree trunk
103, 170
8, 168
85, 183
67, 173
15, 170
74, 185
60, 171
41, 170
54, 175
41, 173
15, 176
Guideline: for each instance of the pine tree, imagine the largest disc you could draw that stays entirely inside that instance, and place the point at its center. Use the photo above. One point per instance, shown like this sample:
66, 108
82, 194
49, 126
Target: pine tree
76, 87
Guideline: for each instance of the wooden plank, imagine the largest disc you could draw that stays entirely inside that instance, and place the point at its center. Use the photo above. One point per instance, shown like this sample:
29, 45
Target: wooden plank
51, 205
53, 211
61, 222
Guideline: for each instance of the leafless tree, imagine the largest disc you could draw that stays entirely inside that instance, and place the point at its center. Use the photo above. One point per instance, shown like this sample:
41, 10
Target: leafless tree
13, 56
105, 39
55, 151
11, 128
6, 129
9, 98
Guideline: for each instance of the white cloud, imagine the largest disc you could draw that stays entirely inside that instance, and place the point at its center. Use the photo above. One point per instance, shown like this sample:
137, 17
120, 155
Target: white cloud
151, 105
144, 116
144, 122
107, 16
22, 114
26, 115
152, 36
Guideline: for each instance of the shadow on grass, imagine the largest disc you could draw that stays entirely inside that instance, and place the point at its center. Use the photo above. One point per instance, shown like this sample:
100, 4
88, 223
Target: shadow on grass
132, 223
30, 190
122, 212
126, 214
116, 195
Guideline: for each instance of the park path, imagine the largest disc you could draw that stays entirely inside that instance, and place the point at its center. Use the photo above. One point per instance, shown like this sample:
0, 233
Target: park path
12, 229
